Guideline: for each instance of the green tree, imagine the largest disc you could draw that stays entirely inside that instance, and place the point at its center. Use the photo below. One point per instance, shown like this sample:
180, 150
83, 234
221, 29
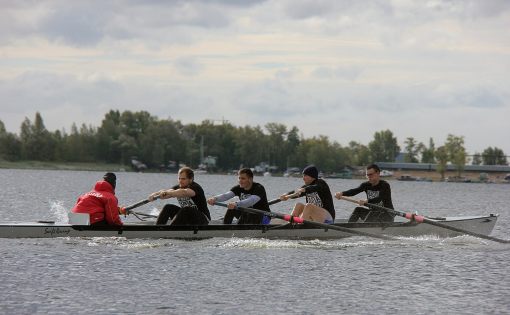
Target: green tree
162, 142
107, 134
441, 156
80, 145
250, 146
456, 152
327, 156
293, 142
10, 146
477, 159
384, 147
218, 140
358, 153
36, 142
412, 150
427, 154
277, 144
127, 147
493, 156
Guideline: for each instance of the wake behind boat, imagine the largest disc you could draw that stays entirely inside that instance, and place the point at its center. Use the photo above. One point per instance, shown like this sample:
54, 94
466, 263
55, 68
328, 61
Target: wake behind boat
147, 229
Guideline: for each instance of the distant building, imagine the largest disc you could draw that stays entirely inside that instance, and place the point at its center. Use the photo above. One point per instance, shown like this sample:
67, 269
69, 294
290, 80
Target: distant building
450, 167
401, 157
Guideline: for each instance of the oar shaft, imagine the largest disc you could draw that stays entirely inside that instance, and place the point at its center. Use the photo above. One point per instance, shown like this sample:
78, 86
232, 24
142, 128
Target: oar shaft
420, 219
292, 219
138, 204
145, 214
272, 202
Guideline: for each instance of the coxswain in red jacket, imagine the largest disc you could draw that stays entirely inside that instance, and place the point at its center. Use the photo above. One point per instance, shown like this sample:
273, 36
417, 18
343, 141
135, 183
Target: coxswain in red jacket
101, 203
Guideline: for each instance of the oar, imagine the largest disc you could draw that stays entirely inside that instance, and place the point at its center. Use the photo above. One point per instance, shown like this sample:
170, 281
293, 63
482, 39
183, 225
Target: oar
289, 218
138, 204
422, 219
272, 202
144, 214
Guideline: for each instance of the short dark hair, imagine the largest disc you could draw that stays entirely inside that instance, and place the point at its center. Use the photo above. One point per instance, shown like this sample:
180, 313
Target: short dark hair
375, 167
246, 171
110, 178
188, 171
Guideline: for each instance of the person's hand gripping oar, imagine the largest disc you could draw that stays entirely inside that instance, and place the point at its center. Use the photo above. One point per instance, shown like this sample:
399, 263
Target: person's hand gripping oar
129, 209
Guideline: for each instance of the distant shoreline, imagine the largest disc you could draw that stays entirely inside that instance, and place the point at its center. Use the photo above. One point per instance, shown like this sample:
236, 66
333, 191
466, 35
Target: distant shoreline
92, 166
40, 165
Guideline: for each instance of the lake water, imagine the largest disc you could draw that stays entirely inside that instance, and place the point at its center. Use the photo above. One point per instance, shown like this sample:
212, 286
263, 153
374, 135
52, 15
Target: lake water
357, 275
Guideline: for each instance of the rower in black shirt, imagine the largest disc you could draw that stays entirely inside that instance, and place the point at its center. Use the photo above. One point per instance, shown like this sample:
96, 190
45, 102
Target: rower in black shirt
319, 202
250, 194
378, 192
192, 209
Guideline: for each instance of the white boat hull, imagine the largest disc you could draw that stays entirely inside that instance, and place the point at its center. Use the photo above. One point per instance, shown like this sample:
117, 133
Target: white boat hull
477, 224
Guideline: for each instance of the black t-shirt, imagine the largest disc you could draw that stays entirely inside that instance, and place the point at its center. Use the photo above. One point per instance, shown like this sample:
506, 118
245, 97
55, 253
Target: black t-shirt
198, 201
319, 194
379, 194
257, 190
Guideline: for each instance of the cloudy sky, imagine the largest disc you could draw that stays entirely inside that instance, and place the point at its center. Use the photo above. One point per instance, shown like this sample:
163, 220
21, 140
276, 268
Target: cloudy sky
344, 69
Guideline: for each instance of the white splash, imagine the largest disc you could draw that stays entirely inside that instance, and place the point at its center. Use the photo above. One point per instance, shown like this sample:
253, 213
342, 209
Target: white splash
58, 211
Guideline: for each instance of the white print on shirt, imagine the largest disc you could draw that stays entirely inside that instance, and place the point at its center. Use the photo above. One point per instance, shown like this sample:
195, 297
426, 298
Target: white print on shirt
314, 199
186, 202
95, 194
244, 196
372, 194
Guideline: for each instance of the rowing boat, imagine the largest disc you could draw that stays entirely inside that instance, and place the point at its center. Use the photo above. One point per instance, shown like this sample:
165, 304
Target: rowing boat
147, 229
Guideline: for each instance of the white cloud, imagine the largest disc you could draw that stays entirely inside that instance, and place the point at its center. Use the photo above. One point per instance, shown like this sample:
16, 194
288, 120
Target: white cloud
344, 69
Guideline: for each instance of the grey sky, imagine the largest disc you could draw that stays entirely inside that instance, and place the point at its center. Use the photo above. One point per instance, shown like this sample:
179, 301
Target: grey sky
344, 69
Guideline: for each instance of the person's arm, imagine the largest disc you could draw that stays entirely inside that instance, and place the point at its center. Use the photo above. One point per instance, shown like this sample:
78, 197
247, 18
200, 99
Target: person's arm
112, 212
156, 195
248, 202
225, 196
354, 191
291, 195
172, 193
386, 196
179, 193
351, 192
311, 188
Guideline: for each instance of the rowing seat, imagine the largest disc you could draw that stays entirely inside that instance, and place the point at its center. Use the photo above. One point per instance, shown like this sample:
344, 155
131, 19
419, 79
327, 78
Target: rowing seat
78, 218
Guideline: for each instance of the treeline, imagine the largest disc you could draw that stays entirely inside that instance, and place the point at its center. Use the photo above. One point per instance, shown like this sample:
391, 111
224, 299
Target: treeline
125, 135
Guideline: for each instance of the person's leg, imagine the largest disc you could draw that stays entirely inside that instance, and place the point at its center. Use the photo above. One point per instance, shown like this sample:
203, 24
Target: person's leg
359, 213
250, 218
168, 212
373, 216
379, 216
189, 216
230, 215
298, 209
314, 213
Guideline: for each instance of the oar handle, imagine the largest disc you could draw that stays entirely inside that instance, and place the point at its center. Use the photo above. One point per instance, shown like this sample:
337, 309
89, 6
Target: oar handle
272, 202
138, 204
350, 199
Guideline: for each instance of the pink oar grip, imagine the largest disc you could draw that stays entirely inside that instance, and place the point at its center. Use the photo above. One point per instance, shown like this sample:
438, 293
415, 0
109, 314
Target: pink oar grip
298, 220
415, 217
289, 218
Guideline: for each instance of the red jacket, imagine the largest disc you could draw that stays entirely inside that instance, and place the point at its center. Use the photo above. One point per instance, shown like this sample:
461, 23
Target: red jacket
100, 203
